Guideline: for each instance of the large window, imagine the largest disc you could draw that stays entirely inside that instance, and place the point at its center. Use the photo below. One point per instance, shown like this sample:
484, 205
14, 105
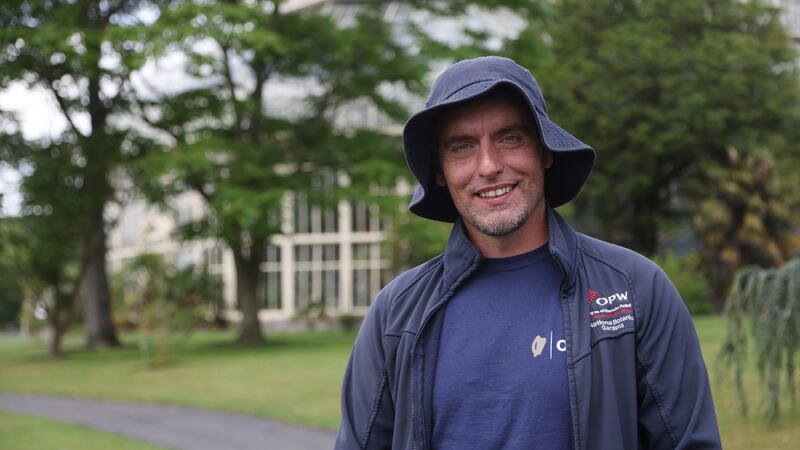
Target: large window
366, 217
270, 286
309, 218
316, 278
367, 273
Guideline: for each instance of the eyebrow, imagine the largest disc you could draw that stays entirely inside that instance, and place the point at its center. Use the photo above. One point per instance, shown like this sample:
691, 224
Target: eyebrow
453, 139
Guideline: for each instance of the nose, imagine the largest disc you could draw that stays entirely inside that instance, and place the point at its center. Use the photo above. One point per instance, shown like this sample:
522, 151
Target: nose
489, 163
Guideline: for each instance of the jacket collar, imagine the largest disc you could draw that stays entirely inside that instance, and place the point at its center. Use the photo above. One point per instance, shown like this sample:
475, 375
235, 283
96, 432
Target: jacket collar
461, 255
563, 245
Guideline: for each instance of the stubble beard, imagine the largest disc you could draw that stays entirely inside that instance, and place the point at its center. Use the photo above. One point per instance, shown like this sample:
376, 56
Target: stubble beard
498, 226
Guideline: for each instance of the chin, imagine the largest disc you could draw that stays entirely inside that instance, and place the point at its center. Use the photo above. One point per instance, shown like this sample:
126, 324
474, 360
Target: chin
500, 226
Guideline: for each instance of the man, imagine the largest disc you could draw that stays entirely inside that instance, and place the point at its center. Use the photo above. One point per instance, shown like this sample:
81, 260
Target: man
524, 334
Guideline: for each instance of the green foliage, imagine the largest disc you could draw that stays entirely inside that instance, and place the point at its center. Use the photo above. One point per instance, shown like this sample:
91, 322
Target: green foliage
161, 300
414, 240
661, 89
690, 281
42, 248
241, 152
82, 53
750, 217
11, 292
762, 309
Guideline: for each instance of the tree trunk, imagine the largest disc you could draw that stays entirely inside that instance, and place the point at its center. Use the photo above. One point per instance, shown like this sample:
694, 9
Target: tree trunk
55, 340
644, 225
246, 286
55, 321
100, 331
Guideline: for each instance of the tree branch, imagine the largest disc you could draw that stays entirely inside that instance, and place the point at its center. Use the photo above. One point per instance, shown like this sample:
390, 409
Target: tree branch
62, 105
142, 114
237, 116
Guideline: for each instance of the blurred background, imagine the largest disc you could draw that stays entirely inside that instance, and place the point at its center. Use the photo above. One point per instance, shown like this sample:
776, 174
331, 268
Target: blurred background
204, 197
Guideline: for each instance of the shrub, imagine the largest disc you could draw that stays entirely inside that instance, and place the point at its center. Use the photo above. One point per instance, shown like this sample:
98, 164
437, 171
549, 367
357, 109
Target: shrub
685, 273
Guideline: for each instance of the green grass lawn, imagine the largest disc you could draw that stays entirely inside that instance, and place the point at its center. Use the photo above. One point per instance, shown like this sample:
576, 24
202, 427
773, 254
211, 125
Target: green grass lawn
295, 378
740, 433
18, 432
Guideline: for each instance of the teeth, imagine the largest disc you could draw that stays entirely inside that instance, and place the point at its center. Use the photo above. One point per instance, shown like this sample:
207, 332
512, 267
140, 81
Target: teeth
495, 193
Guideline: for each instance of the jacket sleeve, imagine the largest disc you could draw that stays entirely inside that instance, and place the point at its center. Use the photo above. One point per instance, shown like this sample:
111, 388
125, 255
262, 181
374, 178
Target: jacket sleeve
676, 410
367, 408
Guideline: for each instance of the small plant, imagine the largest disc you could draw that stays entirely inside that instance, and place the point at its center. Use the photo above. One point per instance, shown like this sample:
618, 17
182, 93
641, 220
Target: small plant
763, 306
313, 313
159, 300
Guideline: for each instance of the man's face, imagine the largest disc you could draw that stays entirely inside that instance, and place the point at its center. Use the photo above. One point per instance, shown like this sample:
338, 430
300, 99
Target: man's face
492, 164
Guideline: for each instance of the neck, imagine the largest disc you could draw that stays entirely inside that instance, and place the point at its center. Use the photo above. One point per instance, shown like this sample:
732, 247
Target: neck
530, 236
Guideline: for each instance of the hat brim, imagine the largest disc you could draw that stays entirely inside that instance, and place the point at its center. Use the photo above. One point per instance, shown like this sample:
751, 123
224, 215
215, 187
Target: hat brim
572, 159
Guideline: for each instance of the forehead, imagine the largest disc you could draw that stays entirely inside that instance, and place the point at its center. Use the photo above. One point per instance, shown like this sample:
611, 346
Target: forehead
494, 109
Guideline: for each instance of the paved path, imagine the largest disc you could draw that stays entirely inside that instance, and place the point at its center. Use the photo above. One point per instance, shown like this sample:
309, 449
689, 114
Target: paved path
172, 426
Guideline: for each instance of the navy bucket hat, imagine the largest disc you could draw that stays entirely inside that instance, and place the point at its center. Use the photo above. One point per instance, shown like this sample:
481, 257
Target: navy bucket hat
467, 80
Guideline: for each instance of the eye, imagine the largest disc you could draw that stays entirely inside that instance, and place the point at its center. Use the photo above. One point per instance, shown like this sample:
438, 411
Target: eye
511, 139
459, 148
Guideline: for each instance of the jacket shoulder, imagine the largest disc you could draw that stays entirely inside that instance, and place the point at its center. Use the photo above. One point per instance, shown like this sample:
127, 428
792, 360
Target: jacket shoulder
634, 266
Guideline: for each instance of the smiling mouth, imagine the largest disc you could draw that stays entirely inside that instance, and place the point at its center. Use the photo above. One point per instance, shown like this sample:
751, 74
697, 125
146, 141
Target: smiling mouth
495, 192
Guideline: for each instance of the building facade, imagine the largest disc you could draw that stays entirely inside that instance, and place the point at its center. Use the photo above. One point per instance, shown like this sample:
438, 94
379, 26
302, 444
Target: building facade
327, 259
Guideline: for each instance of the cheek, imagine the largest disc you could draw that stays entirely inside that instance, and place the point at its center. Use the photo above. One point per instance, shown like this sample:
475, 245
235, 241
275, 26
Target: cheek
528, 163
454, 175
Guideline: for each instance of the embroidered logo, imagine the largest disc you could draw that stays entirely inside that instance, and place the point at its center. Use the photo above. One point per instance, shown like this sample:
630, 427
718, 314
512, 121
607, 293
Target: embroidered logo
592, 295
612, 312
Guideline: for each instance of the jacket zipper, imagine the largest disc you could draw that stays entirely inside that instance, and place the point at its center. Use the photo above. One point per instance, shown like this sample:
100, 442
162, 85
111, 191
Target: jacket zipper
569, 368
413, 358
414, 349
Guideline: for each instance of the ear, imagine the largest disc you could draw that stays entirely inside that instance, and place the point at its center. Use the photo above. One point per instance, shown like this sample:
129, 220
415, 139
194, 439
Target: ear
440, 179
547, 159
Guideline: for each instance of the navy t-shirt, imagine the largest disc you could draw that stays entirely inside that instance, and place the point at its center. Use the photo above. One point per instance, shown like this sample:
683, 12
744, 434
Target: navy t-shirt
501, 374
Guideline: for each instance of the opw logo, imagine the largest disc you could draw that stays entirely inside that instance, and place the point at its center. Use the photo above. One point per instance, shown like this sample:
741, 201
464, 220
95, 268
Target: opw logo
607, 301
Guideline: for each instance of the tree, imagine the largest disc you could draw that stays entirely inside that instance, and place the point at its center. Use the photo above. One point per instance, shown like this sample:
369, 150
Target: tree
11, 293
82, 53
662, 89
750, 218
243, 152
768, 300
44, 244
